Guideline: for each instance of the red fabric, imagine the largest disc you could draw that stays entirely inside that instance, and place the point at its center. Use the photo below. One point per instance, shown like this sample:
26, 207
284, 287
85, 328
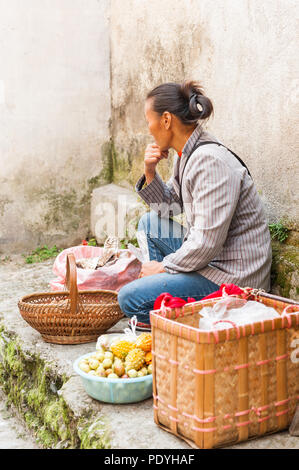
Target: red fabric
179, 154
172, 302
230, 289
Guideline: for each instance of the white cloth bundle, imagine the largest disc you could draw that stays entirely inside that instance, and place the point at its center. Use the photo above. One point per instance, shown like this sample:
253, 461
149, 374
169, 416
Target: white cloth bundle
238, 311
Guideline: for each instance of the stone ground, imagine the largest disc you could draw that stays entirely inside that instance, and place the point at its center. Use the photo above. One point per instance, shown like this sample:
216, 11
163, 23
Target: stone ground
13, 434
18, 279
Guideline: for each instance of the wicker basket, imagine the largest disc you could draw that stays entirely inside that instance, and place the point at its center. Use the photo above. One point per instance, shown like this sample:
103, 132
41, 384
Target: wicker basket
221, 387
71, 317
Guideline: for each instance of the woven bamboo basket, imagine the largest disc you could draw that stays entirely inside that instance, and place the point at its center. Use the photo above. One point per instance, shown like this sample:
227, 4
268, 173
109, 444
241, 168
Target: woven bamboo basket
225, 386
71, 316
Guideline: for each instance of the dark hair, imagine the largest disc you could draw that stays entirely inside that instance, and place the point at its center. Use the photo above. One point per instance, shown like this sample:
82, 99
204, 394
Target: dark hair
185, 100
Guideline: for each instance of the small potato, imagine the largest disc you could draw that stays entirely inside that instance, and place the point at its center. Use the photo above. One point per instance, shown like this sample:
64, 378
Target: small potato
84, 366
92, 372
143, 370
117, 361
100, 373
84, 361
113, 376
100, 356
107, 363
101, 368
150, 369
108, 371
109, 355
94, 364
119, 369
132, 373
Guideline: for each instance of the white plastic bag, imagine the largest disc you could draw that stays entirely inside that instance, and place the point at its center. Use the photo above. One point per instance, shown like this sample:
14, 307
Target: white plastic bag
238, 311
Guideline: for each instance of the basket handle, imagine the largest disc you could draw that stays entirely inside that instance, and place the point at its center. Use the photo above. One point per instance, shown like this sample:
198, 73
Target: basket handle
71, 280
232, 323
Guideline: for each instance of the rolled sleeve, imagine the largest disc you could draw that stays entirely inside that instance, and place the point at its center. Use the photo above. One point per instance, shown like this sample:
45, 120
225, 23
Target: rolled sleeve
160, 196
153, 192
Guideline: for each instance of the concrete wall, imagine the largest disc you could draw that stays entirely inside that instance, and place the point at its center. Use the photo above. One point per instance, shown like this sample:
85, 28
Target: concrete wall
60, 105
243, 52
54, 118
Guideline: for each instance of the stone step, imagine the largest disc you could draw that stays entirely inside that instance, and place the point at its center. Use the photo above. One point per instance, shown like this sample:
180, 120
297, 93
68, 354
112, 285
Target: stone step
12, 433
38, 378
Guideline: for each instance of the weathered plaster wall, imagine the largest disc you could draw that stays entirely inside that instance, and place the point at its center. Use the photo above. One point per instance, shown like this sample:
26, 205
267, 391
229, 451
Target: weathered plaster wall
75, 73
54, 118
243, 52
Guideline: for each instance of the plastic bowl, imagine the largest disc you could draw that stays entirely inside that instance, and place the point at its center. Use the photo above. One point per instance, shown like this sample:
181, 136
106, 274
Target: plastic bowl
115, 390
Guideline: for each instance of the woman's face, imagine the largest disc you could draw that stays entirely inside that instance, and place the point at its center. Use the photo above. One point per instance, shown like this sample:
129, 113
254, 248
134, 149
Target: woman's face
158, 126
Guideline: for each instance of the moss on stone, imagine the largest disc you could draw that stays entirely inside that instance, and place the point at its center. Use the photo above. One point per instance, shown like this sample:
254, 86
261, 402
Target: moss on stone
31, 419
285, 269
64, 211
293, 238
57, 419
94, 434
46, 438
31, 385
106, 174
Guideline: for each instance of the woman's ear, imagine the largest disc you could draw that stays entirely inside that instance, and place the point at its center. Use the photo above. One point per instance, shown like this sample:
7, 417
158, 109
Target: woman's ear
166, 120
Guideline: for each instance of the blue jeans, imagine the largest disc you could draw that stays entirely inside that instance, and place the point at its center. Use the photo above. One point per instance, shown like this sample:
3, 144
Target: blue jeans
164, 236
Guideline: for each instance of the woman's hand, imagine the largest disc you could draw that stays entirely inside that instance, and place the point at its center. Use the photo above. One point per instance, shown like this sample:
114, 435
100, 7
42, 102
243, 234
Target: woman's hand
153, 154
151, 267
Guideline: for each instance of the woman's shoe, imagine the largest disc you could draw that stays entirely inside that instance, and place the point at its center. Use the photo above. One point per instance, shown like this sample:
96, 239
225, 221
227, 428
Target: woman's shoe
141, 326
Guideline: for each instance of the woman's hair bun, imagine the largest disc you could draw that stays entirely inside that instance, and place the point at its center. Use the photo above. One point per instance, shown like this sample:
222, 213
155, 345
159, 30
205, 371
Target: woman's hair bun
200, 106
185, 100
195, 107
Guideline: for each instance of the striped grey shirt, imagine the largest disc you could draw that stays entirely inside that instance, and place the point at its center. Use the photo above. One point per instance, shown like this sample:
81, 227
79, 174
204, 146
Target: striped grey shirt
227, 238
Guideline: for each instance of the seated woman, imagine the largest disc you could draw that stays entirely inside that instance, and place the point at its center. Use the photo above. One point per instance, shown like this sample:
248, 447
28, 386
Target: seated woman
227, 238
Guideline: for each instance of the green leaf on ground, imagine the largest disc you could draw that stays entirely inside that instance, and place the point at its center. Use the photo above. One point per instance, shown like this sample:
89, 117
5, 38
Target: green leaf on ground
279, 232
42, 254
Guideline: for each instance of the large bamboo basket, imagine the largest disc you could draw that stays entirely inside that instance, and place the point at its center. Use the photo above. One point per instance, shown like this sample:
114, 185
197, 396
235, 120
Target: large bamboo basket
71, 317
222, 387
